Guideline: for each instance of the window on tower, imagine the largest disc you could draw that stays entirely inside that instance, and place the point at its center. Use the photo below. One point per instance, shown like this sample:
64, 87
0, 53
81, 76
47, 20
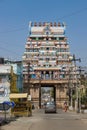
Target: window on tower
47, 33
61, 38
47, 39
47, 48
47, 59
36, 38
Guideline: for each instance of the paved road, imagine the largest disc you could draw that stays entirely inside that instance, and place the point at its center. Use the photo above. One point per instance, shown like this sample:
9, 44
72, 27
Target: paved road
42, 121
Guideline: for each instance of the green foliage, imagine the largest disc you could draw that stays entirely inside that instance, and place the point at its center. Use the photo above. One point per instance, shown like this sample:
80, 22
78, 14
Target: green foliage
84, 99
43, 90
13, 82
52, 92
83, 96
74, 97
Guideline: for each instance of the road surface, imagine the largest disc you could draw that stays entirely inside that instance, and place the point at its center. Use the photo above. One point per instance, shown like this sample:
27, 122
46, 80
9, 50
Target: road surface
42, 121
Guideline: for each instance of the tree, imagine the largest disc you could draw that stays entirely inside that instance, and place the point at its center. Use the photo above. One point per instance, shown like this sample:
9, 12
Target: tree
43, 90
52, 93
13, 81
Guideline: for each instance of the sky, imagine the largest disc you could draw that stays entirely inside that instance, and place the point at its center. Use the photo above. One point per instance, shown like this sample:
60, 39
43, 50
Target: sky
16, 14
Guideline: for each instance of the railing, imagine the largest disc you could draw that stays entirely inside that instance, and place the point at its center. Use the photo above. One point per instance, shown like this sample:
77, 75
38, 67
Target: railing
54, 81
74, 79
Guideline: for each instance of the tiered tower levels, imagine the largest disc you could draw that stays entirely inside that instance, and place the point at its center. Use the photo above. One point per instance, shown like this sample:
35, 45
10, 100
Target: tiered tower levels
46, 52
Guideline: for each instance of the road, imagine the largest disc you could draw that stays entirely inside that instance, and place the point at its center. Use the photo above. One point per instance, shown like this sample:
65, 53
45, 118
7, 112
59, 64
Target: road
42, 121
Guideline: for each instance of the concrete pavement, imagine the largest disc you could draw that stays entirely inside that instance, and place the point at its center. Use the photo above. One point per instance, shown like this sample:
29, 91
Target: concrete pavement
38, 115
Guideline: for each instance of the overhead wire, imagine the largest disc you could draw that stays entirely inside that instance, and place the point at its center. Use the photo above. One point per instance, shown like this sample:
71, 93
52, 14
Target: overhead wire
14, 30
8, 50
65, 16
16, 55
2, 48
73, 13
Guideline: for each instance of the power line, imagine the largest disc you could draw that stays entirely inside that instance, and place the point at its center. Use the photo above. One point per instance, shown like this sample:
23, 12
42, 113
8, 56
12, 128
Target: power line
23, 28
9, 50
65, 16
73, 13
14, 30
6, 43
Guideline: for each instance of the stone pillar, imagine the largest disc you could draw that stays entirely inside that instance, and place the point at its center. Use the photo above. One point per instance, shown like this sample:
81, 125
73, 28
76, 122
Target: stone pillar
35, 95
44, 74
58, 96
56, 91
50, 74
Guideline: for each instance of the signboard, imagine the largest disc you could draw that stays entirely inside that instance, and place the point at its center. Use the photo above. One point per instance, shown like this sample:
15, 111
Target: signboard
1, 91
11, 104
4, 91
29, 98
5, 69
4, 107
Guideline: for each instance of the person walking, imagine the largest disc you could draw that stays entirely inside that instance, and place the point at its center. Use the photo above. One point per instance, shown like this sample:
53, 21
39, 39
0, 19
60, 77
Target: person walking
65, 106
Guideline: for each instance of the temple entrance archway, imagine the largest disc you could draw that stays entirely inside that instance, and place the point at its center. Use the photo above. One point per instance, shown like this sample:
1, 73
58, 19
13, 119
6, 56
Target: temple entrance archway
52, 92
46, 93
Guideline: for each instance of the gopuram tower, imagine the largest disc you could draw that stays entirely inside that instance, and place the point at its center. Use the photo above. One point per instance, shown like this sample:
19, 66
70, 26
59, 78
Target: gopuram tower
46, 61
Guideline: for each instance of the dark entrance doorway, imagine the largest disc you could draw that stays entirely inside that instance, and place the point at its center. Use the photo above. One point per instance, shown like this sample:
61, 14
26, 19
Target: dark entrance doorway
46, 93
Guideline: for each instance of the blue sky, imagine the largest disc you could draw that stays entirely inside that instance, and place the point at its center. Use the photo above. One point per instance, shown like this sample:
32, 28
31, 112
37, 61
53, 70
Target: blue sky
16, 14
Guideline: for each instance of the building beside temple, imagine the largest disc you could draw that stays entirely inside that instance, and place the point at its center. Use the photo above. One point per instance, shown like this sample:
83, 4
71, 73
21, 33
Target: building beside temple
11, 72
17, 71
5, 71
46, 61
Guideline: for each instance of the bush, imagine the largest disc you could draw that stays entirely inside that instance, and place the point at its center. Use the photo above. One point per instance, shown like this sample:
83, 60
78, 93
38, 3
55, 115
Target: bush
84, 99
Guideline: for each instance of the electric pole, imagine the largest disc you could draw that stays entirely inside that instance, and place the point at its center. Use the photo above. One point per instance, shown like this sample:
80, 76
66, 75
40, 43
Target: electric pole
77, 87
40, 92
80, 72
29, 78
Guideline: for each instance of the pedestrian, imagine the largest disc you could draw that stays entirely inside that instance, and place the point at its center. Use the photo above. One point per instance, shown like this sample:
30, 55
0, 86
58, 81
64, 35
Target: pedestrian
65, 106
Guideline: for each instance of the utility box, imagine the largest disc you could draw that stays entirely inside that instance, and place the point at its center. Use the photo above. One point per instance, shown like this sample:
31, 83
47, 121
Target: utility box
22, 105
